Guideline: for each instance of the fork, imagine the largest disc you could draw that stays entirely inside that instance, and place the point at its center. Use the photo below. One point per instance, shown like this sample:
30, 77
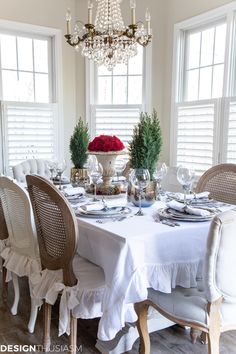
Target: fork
165, 221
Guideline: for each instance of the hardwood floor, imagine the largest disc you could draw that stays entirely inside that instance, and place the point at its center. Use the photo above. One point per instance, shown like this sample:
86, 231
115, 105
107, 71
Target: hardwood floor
13, 330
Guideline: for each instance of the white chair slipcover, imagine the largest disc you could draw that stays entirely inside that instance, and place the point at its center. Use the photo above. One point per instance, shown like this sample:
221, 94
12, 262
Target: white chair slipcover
212, 309
80, 282
29, 167
21, 255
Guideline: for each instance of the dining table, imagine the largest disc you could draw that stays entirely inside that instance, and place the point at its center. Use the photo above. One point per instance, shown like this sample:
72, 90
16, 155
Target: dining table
136, 253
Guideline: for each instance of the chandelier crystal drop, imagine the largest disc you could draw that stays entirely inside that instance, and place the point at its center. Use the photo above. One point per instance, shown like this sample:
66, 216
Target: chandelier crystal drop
108, 41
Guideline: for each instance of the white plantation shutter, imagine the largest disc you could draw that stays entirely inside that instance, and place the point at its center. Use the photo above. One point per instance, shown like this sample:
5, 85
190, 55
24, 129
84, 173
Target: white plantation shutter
115, 120
231, 143
196, 124
29, 131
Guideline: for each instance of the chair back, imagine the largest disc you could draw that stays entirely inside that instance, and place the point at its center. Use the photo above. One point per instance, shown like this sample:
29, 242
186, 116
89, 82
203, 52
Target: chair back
220, 181
220, 262
3, 225
29, 167
19, 218
57, 228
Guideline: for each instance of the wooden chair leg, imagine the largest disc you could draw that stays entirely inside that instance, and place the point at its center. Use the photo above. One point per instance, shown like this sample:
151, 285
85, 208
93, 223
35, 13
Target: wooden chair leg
16, 293
194, 334
73, 335
47, 326
4, 284
213, 342
204, 338
33, 316
141, 309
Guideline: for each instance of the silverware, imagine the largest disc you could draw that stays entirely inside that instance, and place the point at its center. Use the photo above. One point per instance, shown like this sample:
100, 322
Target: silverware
160, 219
113, 219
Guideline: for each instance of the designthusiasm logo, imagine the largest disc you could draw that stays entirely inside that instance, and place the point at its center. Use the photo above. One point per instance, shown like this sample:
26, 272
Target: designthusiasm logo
24, 348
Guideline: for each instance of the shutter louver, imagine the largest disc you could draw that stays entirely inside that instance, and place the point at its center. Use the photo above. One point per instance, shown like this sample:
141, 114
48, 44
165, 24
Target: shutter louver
195, 135
119, 121
231, 146
30, 131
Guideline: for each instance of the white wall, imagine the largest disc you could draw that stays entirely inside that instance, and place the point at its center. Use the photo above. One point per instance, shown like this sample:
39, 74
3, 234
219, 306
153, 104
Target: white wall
50, 13
177, 11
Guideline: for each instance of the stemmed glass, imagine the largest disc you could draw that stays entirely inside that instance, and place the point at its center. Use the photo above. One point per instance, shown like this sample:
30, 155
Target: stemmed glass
159, 173
95, 173
119, 167
52, 168
60, 168
140, 178
185, 177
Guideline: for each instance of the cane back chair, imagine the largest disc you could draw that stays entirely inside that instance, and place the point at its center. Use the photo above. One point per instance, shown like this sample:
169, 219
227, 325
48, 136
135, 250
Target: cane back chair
220, 181
21, 255
57, 232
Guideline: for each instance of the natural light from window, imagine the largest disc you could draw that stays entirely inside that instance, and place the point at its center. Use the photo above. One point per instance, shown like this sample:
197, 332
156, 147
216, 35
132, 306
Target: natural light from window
24, 67
204, 69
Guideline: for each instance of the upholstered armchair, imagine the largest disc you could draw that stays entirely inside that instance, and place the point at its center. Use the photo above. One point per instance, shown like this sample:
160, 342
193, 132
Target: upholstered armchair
212, 311
30, 167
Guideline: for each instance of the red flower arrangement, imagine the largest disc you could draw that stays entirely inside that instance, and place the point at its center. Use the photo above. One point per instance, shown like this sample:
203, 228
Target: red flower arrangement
106, 143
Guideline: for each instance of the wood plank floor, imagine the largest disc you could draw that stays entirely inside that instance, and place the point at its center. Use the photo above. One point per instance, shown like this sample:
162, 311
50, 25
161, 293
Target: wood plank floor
13, 330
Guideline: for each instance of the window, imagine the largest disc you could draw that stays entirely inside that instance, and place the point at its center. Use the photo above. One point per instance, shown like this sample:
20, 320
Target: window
204, 112
29, 110
117, 97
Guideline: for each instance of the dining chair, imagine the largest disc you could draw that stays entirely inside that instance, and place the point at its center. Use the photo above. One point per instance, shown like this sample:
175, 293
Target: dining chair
220, 181
21, 255
31, 166
80, 282
3, 244
213, 310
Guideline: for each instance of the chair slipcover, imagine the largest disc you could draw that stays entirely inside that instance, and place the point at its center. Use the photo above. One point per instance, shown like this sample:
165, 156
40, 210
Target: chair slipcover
21, 254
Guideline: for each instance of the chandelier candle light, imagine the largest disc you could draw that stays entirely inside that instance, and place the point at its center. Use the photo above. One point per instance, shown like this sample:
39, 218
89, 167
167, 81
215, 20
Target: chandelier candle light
108, 42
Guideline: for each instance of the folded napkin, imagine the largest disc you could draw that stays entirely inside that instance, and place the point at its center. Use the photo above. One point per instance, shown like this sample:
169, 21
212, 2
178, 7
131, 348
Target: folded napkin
180, 196
91, 207
70, 191
187, 209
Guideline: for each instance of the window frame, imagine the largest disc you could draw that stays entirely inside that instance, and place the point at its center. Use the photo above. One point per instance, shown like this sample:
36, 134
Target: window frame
91, 87
55, 77
227, 12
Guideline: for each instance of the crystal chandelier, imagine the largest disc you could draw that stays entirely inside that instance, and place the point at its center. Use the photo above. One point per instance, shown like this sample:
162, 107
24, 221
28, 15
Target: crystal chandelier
108, 41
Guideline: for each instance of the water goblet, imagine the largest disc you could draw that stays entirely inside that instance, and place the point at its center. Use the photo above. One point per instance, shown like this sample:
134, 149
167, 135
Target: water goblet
51, 164
60, 168
185, 177
159, 173
119, 167
140, 179
95, 175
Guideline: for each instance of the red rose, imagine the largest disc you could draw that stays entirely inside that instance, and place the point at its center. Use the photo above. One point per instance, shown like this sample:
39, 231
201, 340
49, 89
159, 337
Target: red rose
106, 143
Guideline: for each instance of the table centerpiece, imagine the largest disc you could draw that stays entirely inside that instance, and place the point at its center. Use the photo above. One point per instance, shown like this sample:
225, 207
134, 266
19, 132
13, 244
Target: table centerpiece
144, 150
106, 148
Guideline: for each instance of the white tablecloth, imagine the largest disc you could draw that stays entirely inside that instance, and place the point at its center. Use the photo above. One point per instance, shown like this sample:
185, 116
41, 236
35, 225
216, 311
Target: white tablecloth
138, 253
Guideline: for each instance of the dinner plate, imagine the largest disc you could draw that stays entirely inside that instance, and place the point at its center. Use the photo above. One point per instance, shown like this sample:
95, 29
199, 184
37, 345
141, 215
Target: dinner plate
177, 215
103, 213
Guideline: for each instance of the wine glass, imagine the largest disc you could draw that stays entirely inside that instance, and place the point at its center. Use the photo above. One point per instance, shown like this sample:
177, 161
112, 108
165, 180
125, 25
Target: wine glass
185, 177
51, 164
119, 167
95, 175
159, 173
60, 168
140, 178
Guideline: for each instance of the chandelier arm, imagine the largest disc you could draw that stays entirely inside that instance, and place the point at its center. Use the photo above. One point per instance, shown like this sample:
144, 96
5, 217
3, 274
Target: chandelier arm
144, 43
72, 42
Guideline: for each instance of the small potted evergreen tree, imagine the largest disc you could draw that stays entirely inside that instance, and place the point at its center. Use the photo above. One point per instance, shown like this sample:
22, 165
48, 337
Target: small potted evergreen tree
78, 148
144, 151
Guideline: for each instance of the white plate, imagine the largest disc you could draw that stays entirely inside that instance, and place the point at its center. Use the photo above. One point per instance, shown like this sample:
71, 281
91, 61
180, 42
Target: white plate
110, 212
175, 215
